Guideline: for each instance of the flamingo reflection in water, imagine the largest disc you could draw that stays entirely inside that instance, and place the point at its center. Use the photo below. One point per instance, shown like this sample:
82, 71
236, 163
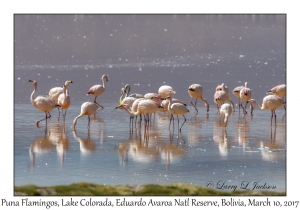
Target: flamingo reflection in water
87, 146
55, 136
271, 150
220, 137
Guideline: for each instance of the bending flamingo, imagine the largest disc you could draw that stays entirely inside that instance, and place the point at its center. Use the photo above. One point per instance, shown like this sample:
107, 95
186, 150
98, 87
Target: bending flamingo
270, 102
279, 90
64, 100
97, 90
43, 103
226, 111
225, 88
195, 91
219, 98
87, 108
245, 95
165, 91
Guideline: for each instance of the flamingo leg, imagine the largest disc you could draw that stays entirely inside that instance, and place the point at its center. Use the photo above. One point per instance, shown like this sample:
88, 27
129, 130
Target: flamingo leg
97, 103
182, 123
170, 120
178, 122
193, 104
89, 121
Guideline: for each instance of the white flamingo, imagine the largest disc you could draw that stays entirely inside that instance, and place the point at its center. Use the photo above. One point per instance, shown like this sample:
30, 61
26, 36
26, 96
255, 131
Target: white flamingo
64, 100
226, 111
134, 95
87, 108
236, 92
225, 88
195, 91
43, 103
279, 90
176, 109
165, 91
55, 92
97, 90
270, 102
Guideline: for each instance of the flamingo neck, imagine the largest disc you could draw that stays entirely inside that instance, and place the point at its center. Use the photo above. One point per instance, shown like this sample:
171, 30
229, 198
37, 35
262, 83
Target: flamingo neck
65, 90
121, 98
260, 108
128, 87
169, 104
32, 94
75, 120
103, 82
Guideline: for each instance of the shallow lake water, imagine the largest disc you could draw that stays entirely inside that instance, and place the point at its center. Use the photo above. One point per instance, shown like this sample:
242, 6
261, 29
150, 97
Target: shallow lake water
249, 153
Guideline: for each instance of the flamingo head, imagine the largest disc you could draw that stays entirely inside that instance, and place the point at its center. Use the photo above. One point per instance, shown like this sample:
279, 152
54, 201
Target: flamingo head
120, 106
68, 82
251, 101
33, 82
105, 77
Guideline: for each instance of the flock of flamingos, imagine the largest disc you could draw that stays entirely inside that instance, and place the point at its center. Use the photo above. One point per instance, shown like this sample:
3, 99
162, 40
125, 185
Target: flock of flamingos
163, 101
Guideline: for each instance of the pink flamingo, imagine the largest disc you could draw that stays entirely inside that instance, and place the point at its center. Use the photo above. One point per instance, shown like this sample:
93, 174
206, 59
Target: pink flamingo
270, 102
279, 90
87, 108
97, 90
195, 91
55, 92
226, 111
245, 95
219, 98
236, 92
64, 100
165, 91
176, 109
146, 106
225, 88
43, 103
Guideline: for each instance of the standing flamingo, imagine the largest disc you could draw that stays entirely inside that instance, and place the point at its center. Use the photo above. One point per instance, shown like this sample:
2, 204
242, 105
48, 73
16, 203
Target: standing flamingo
176, 109
279, 90
271, 102
134, 95
42, 103
225, 88
56, 91
64, 100
165, 91
236, 92
97, 90
226, 111
195, 91
87, 108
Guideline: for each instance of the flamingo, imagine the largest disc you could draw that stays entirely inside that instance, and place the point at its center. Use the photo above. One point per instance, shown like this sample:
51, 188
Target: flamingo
134, 95
87, 108
165, 91
236, 92
195, 91
55, 92
270, 102
43, 103
225, 88
219, 98
97, 90
64, 100
146, 106
279, 90
176, 109
245, 95
226, 111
